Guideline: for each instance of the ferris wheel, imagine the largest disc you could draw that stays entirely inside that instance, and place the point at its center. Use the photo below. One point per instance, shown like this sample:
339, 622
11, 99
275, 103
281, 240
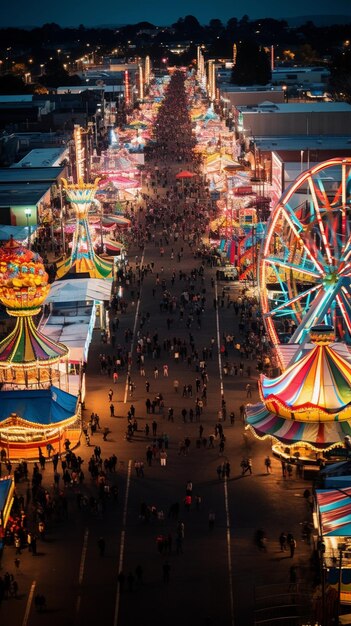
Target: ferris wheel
305, 262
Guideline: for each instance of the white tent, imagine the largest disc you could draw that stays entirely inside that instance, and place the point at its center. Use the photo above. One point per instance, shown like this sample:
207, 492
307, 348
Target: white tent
80, 290
75, 332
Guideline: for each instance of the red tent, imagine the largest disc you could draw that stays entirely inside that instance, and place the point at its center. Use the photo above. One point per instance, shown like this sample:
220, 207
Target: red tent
185, 174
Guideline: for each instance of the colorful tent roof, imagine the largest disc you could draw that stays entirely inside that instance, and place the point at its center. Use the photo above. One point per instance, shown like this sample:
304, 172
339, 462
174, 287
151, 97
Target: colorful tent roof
335, 511
319, 435
30, 407
318, 386
26, 346
311, 401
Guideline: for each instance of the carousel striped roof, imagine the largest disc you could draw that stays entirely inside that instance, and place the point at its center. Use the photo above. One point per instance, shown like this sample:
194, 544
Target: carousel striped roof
318, 386
320, 435
25, 345
335, 511
311, 401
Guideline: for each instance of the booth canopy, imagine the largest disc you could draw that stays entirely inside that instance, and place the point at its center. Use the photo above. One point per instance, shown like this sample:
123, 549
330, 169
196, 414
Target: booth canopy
80, 290
335, 511
20, 233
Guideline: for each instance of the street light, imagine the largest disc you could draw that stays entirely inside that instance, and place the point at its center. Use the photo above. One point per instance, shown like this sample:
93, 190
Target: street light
28, 214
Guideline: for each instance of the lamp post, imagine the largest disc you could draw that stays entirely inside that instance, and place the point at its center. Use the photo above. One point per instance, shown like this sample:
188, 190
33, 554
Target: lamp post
28, 214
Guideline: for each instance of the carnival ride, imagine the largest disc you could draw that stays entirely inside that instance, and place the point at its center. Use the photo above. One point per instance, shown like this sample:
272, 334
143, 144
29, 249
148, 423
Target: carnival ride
305, 263
27, 356
309, 404
34, 409
83, 258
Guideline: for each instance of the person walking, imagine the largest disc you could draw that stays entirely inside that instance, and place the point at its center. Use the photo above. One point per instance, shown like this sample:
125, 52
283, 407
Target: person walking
292, 546
155, 372
248, 391
165, 371
101, 545
283, 540
112, 410
110, 395
166, 568
149, 455
268, 464
163, 458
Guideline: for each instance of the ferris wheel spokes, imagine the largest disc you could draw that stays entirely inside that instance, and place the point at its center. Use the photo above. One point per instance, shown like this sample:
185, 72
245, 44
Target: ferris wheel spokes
289, 303
308, 252
317, 312
305, 262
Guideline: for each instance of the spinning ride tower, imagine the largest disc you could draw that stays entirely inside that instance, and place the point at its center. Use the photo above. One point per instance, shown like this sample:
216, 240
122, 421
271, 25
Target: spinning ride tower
83, 259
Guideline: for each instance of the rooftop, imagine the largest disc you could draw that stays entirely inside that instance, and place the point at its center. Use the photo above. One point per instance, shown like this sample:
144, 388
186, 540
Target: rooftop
22, 195
303, 142
42, 158
297, 107
29, 174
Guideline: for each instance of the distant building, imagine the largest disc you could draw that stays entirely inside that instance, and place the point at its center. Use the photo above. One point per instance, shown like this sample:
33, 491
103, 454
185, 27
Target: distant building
43, 158
35, 188
254, 95
303, 77
310, 118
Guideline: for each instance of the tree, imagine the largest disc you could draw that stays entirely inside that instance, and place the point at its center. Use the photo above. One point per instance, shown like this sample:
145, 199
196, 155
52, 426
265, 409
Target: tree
188, 27
216, 27
252, 65
56, 75
232, 25
305, 55
340, 80
10, 84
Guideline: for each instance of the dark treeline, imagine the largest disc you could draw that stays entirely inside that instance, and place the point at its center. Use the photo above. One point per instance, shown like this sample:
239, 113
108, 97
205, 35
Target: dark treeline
150, 39
57, 49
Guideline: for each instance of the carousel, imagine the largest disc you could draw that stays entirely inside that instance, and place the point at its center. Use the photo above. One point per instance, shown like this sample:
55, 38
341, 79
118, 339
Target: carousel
34, 408
306, 411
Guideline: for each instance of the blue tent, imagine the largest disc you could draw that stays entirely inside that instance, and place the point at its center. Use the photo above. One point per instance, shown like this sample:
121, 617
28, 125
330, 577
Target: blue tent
38, 406
20, 233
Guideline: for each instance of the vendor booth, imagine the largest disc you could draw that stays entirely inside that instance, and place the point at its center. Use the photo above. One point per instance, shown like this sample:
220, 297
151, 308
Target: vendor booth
333, 517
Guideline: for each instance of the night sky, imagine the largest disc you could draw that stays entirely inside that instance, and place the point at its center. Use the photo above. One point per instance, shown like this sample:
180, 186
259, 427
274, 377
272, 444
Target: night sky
159, 12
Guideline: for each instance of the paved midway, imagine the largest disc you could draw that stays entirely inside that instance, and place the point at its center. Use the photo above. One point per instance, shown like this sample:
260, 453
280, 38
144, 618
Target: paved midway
214, 576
